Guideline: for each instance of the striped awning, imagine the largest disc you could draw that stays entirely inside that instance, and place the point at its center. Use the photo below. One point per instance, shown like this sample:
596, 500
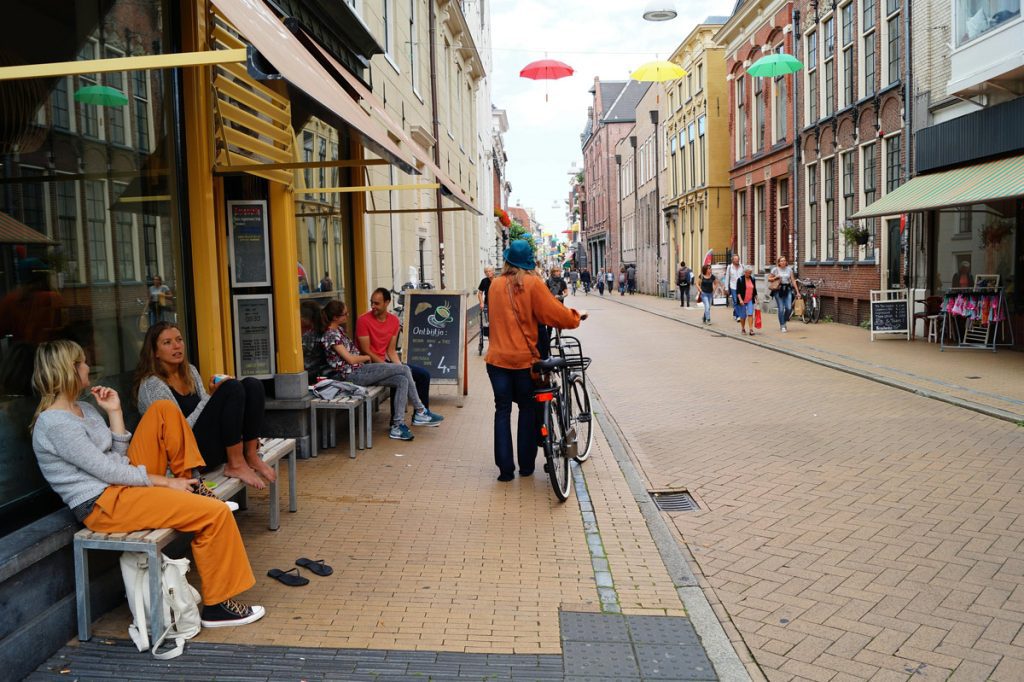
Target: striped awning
960, 187
16, 232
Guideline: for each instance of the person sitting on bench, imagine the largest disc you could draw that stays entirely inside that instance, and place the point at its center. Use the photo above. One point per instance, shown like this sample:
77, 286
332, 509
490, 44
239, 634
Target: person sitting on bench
116, 482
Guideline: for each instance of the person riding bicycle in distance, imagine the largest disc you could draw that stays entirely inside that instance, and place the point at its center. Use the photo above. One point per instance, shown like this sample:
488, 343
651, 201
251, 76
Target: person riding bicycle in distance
377, 335
519, 301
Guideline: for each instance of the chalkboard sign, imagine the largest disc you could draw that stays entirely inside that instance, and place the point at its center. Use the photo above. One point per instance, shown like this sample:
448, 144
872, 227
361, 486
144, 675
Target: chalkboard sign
435, 329
254, 336
247, 239
890, 312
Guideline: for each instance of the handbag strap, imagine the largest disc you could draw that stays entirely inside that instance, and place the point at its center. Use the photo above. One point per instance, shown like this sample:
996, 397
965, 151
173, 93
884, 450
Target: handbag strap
534, 353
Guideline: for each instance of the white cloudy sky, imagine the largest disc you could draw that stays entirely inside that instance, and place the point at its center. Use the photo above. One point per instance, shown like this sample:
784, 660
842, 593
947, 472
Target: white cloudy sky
605, 38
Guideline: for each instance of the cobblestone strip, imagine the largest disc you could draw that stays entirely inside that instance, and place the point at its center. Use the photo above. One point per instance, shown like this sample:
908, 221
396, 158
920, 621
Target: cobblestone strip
598, 557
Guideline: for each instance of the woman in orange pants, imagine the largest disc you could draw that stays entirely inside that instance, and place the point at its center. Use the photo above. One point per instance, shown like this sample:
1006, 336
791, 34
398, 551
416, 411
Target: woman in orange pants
116, 482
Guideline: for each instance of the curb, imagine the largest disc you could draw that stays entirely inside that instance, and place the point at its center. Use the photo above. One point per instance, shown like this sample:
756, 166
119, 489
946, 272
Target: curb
986, 410
719, 648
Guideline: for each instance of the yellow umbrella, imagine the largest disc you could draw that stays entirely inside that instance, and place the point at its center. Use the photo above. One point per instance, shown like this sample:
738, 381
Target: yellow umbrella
658, 72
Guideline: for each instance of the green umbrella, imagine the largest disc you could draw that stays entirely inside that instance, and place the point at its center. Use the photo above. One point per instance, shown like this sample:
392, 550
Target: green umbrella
101, 95
774, 65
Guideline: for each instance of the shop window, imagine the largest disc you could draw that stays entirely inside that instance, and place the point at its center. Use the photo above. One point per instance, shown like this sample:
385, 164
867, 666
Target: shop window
974, 18
89, 181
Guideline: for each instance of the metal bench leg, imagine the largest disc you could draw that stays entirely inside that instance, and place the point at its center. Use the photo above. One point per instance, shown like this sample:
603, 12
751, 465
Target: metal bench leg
156, 606
275, 501
293, 504
361, 424
368, 412
333, 440
353, 417
82, 595
312, 431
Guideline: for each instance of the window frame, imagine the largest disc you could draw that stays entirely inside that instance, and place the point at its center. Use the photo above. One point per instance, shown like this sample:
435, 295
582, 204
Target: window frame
813, 215
828, 197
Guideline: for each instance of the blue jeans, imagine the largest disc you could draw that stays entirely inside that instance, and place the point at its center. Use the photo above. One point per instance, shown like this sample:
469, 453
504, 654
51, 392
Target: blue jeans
785, 303
514, 386
707, 299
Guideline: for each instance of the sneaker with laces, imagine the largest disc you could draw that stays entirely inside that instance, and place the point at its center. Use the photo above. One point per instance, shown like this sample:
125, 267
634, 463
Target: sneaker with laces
203, 490
230, 613
400, 432
784, 330
426, 418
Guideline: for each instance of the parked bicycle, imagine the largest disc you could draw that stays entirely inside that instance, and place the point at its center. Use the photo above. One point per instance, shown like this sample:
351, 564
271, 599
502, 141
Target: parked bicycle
809, 295
566, 425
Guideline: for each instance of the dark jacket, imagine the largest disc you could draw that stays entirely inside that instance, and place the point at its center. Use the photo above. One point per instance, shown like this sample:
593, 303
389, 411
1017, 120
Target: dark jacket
741, 288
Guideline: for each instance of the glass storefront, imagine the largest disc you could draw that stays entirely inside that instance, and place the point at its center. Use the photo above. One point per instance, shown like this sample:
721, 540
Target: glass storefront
89, 229
977, 242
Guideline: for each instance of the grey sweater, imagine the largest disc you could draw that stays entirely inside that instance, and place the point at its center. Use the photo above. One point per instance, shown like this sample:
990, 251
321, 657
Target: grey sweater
154, 388
80, 456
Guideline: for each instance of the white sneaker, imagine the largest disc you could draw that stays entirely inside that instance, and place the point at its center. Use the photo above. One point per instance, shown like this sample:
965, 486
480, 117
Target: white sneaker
784, 330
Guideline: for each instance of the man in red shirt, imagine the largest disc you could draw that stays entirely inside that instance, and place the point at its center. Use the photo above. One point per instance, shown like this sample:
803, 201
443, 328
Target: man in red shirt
377, 336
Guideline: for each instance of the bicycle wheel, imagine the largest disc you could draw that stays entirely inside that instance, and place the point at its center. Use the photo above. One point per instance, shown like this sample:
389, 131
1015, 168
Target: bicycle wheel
816, 309
580, 418
808, 313
555, 451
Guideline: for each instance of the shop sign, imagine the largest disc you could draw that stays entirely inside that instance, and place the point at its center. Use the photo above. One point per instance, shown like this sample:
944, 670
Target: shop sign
254, 335
248, 243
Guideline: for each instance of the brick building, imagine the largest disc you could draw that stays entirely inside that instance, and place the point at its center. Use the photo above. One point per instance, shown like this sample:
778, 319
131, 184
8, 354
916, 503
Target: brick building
609, 119
761, 128
853, 148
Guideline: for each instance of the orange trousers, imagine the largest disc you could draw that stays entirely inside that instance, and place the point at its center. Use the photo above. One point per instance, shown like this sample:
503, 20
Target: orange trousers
164, 439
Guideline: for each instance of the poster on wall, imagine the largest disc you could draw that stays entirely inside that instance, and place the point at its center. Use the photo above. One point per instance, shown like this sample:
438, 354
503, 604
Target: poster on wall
254, 336
248, 243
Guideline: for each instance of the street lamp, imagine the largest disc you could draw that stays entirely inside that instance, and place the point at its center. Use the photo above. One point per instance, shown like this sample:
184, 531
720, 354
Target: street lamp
660, 10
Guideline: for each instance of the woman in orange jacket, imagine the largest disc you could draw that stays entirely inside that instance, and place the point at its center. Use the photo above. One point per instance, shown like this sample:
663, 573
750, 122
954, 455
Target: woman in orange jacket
519, 301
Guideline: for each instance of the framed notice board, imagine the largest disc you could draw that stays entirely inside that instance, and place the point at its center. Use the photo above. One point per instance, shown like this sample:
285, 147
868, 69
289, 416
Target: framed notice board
890, 312
248, 243
435, 333
254, 335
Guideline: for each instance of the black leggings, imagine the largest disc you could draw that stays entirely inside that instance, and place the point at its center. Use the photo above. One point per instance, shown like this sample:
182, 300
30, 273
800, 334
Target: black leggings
233, 414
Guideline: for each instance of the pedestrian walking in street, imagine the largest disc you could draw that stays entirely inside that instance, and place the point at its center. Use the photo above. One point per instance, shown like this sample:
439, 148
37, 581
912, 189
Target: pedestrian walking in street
733, 273
226, 421
631, 279
609, 278
708, 283
585, 280
684, 278
522, 302
556, 284
746, 299
622, 281
782, 281
349, 364
600, 282
116, 482
574, 280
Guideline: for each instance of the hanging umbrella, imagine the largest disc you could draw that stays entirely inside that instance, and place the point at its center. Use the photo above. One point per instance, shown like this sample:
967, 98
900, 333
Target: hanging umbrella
773, 65
709, 256
546, 70
101, 95
658, 72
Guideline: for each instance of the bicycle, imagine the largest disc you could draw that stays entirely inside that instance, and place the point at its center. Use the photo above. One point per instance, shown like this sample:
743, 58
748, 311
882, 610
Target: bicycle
809, 295
484, 329
567, 422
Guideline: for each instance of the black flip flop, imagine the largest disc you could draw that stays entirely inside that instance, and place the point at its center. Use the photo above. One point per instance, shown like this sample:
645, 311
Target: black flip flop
318, 566
287, 578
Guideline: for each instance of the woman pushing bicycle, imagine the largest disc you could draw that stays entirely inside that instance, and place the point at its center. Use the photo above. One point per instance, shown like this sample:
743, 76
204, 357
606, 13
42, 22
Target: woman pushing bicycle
519, 301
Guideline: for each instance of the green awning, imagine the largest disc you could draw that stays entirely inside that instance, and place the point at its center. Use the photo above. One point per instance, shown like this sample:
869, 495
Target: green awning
960, 187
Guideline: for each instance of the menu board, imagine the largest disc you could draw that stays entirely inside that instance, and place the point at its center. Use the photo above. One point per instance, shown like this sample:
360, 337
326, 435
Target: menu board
435, 325
249, 246
254, 336
890, 313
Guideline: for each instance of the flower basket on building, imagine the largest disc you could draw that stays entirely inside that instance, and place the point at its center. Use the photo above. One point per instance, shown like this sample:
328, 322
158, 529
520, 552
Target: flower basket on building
995, 231
859, 235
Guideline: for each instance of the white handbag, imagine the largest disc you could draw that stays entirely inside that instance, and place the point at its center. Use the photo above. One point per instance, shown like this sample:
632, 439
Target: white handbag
180, 602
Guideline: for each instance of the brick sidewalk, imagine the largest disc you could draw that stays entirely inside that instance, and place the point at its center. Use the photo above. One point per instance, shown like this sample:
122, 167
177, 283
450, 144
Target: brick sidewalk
848, 530
431, 554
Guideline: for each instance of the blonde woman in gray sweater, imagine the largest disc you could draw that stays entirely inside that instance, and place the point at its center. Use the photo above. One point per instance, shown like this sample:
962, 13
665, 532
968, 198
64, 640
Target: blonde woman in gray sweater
116, 482
226, 422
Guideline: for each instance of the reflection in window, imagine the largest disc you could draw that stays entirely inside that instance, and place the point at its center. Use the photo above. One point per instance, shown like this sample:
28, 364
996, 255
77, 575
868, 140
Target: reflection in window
974, 18
124, 239
67, 228
59, 105
115, 115
90, 116
95, 228
140, 93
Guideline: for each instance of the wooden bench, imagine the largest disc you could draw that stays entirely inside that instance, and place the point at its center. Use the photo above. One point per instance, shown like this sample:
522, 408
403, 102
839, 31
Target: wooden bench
152, 541
351, 404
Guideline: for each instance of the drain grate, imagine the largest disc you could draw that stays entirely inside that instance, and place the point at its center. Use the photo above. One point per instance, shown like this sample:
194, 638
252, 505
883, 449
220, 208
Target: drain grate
675, 501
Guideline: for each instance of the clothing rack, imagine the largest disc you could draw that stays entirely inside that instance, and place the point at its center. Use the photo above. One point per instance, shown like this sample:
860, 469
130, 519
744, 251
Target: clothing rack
984, 315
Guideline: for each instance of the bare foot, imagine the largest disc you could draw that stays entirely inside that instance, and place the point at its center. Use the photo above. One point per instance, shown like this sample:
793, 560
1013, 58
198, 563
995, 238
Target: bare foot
261, 467
246, 475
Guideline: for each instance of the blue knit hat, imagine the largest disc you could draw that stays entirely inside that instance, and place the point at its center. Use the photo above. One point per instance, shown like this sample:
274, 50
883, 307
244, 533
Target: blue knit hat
520, 254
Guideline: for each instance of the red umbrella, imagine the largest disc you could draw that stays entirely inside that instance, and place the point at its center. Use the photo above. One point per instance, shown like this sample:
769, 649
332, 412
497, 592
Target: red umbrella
546, 70
708, 256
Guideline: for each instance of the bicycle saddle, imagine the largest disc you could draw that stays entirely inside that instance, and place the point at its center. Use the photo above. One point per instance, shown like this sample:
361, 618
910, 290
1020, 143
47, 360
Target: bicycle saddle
549, 364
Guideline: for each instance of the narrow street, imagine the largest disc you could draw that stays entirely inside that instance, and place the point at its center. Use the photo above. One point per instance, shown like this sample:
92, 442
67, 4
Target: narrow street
847, 530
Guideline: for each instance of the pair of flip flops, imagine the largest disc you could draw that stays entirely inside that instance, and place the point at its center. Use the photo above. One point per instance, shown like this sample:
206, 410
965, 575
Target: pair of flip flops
292, 577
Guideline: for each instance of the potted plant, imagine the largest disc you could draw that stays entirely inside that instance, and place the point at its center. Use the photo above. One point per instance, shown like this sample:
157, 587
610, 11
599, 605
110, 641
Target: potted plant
853, 233
995, 231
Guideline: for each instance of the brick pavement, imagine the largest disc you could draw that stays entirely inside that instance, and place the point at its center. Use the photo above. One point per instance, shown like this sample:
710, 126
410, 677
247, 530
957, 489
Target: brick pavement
431, 554
849, 530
